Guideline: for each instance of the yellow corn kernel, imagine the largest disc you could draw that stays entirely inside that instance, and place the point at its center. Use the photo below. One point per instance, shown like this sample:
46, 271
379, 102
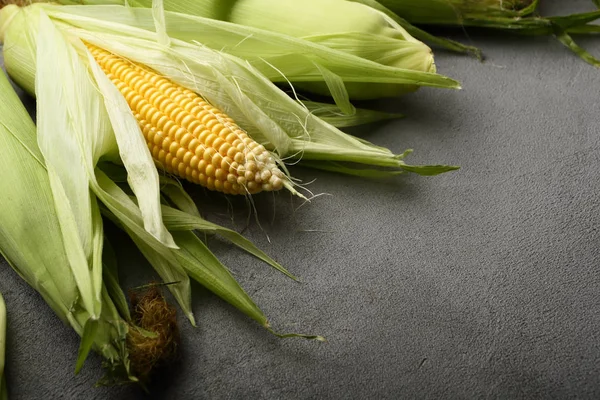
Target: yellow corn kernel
189, 137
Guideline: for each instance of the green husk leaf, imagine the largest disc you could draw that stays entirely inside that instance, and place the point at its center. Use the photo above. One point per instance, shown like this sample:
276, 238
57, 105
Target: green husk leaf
20, 60
568, 41
338, 91
142, 176
588, 29
574, 20
348, 170
159, 22
177, 220
331, 114
125, 213
48, 271
111, 280
173, 190
205, 268
63, 155
87, 340
201, 264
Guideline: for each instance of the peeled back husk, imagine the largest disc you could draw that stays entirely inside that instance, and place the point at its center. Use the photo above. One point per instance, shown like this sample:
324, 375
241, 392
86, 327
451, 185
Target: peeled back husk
32, 243
56, 48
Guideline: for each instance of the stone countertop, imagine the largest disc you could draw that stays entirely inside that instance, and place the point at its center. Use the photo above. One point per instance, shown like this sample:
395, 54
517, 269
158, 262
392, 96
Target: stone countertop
480, 283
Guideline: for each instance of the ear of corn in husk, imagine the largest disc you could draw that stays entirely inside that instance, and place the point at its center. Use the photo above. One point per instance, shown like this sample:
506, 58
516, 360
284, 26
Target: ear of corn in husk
171, 263
3, 388
77, 111
86, 131
332, 47
23, 233
515, 16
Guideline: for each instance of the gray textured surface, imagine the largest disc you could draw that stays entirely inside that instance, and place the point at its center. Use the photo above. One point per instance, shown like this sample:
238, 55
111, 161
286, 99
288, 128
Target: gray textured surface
482, 283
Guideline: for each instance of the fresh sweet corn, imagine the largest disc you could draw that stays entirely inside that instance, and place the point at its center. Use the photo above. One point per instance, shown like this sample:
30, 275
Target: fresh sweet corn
189, 137
44, 235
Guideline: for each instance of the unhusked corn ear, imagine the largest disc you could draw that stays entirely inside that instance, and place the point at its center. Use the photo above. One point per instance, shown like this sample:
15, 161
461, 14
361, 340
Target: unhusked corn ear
189, 137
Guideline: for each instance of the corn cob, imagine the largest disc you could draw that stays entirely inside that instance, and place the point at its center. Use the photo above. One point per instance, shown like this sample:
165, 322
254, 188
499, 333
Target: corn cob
189, 137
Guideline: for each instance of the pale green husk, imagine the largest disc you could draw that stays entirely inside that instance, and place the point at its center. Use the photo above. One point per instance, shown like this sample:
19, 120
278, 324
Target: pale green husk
345, 49
3, 389
332, 114
32, 242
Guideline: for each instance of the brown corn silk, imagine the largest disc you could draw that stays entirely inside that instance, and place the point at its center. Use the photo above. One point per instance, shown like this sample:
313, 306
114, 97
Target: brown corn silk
150, 352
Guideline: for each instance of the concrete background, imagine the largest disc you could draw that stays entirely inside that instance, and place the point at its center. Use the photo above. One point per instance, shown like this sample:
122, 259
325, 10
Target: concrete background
483, 283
